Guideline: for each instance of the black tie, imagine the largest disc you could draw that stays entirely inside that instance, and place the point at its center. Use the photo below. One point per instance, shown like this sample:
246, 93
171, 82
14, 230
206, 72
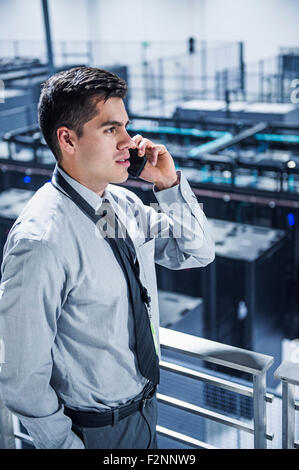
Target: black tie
124, 251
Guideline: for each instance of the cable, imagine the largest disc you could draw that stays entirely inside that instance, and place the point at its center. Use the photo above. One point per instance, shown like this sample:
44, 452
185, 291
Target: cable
149, 428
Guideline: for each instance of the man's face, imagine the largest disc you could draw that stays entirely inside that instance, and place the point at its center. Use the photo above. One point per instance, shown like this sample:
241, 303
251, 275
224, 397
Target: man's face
104, 141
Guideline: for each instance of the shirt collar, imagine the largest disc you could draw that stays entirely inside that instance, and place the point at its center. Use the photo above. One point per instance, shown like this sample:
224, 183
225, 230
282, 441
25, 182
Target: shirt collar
90, 196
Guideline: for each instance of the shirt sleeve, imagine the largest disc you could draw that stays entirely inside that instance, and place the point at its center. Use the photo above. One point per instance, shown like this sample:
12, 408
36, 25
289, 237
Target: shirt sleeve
32, 290
183, 236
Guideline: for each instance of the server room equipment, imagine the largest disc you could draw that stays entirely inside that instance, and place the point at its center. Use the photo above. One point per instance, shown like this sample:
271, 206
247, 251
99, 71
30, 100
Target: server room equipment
12, 202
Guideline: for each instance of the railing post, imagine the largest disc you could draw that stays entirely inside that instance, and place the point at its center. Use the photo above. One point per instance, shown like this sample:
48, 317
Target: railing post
259, 411
203, 71
242, 69
48, 37
288, 415
7, 439
161, 85
89, 53
288, 373
261, 81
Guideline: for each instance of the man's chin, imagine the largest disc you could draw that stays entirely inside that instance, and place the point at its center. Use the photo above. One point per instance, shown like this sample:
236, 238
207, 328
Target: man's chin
121, 179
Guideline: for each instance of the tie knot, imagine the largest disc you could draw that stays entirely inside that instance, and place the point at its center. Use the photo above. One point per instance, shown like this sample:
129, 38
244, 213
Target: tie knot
102, 211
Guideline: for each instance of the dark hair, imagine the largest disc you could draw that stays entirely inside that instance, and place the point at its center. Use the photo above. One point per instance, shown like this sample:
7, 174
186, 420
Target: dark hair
69, 98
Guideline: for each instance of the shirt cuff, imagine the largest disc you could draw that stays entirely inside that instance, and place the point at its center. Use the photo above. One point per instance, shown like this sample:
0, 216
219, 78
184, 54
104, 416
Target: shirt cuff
180, 192
173, 190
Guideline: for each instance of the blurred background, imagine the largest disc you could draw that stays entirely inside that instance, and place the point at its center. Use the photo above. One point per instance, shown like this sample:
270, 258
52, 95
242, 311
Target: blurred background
217, 82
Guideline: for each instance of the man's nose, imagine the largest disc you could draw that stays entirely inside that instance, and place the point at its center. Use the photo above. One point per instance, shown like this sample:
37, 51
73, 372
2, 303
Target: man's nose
126, 142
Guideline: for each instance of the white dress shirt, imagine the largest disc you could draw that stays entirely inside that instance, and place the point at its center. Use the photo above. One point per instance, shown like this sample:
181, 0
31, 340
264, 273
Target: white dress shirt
65, 318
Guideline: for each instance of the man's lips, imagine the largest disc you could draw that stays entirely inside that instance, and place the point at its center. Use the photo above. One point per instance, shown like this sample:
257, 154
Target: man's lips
124, 162
123, 158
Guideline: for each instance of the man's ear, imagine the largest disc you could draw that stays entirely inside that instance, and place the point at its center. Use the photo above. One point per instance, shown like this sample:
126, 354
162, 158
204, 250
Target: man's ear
66, 139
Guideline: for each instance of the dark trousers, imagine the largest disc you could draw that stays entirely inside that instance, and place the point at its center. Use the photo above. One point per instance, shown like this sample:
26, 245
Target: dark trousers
137, 431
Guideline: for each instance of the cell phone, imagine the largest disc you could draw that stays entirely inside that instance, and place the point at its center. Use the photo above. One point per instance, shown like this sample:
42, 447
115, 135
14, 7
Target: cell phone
136, 163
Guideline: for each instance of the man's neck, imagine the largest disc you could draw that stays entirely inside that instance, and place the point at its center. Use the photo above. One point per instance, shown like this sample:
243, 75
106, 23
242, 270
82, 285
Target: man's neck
84, 180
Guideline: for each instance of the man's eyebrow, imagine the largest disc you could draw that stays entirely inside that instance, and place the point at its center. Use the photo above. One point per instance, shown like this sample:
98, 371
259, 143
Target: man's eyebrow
114, 123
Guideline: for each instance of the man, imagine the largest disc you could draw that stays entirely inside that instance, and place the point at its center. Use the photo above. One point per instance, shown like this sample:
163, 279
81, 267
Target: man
72, 371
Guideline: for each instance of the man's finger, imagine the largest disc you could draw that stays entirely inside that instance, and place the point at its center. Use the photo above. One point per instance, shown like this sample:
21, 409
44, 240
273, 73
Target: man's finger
137, 139
155, 154
143, 145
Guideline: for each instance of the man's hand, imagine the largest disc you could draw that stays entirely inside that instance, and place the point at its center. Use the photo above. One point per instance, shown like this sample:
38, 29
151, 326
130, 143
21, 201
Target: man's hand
159, 168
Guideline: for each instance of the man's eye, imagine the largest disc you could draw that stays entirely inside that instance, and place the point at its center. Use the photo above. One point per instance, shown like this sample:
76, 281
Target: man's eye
110, 130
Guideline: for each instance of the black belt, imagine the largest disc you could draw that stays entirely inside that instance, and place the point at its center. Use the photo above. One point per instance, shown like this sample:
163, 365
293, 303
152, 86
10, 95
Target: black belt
95, 419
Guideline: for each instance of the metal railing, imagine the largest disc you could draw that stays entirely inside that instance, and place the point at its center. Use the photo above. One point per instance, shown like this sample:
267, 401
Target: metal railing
224, 355
7, 438
209, 351
288, 373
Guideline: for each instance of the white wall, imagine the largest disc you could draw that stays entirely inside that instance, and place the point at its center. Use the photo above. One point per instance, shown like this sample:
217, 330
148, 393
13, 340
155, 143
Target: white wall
140, 20
20, 19
264, 25
23, 20
69, 19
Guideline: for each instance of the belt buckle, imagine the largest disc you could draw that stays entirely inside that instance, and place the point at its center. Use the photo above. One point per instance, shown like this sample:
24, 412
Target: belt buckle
144, 402
147, 396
